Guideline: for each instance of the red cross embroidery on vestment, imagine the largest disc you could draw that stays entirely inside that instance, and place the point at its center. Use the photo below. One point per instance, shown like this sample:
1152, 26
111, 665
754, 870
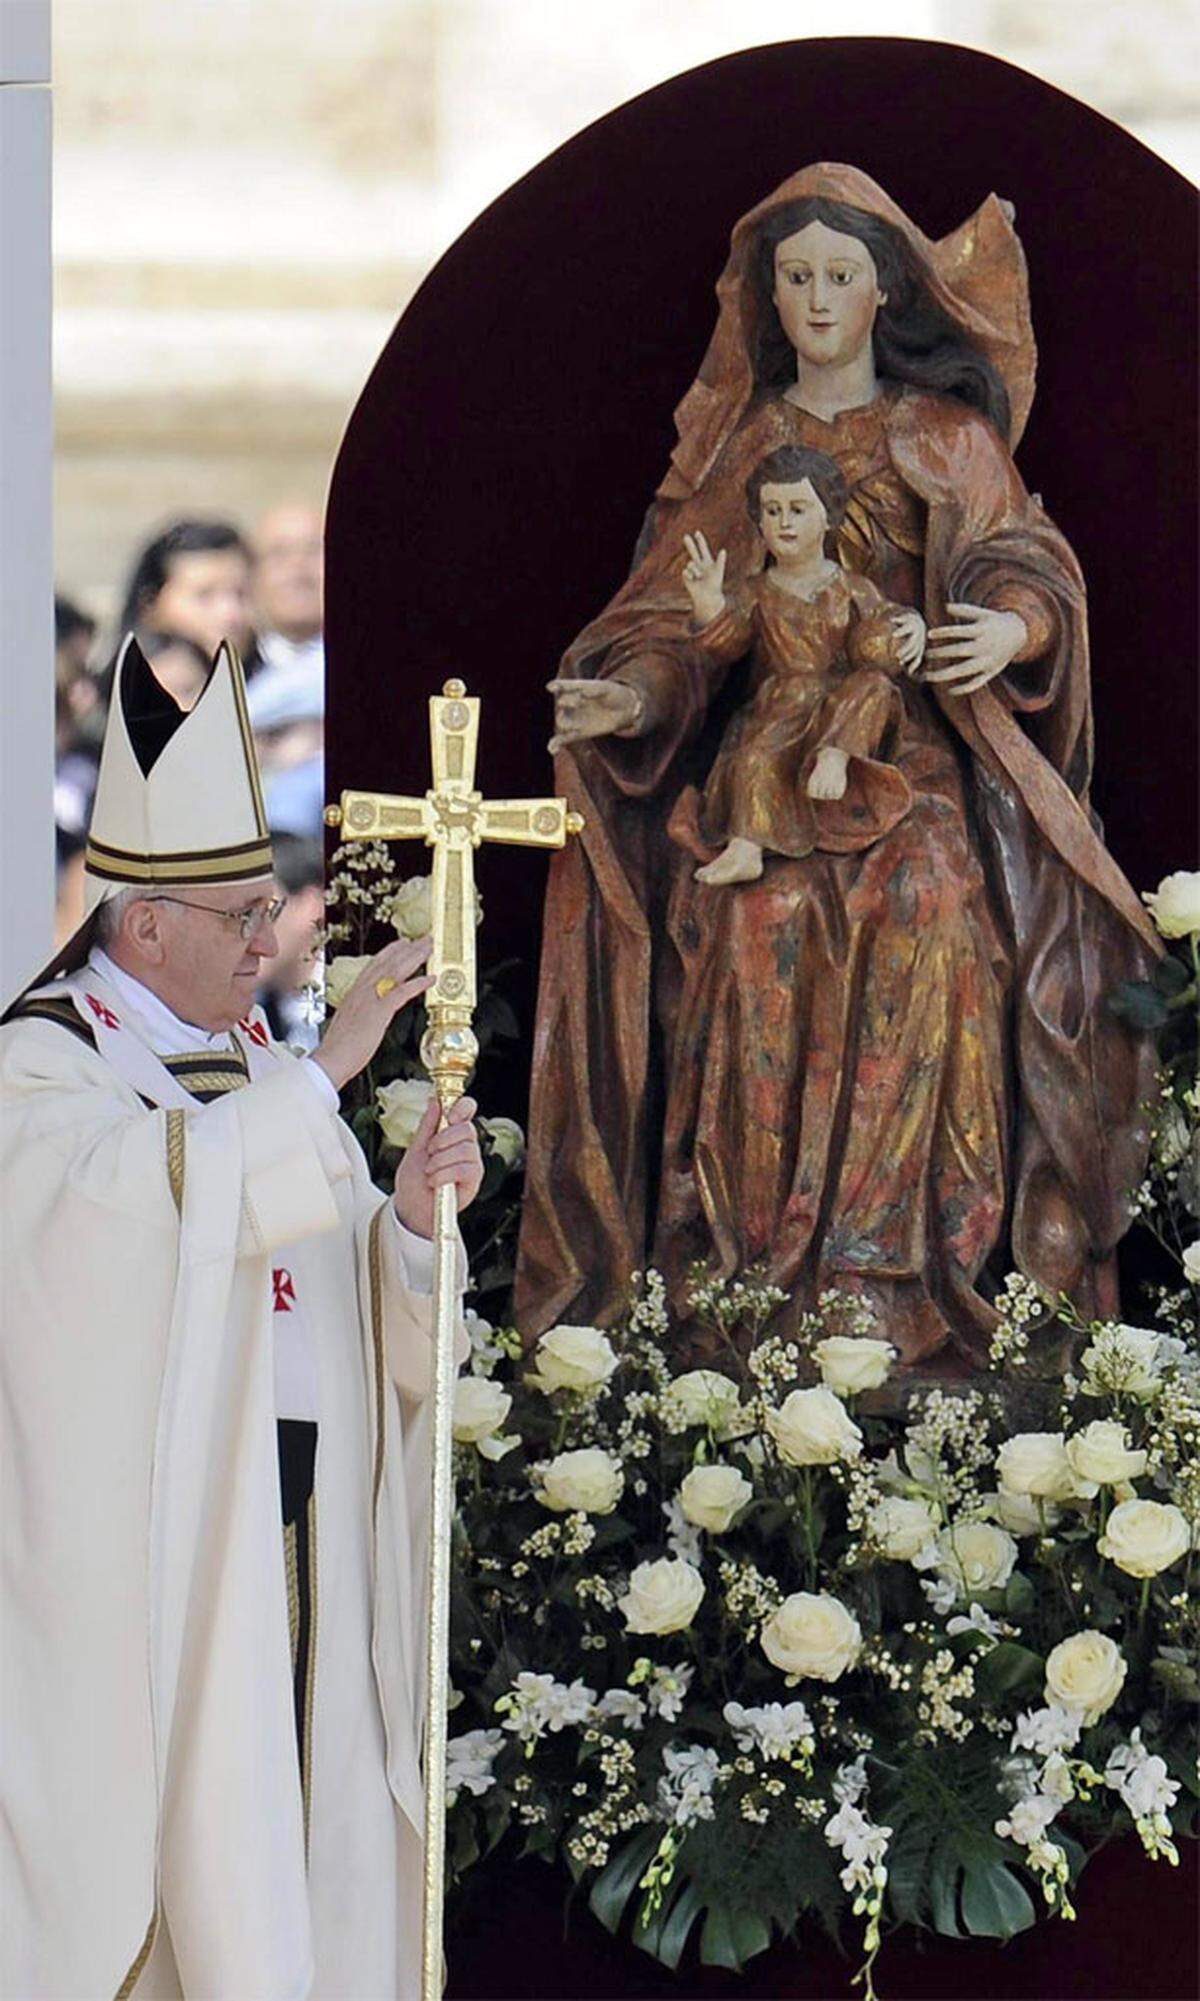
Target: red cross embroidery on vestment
256, 1032
102, 1013
285, 1289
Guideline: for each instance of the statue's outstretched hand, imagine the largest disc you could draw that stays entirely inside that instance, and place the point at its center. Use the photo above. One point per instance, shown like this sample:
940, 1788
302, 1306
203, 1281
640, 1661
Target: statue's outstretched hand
976, 649
704, 578
585, 709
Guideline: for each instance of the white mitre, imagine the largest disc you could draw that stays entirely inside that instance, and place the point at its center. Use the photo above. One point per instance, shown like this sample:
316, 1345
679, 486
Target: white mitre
178, 796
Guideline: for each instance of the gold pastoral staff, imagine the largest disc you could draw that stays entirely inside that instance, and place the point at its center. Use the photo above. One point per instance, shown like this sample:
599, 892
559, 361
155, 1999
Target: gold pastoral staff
453, 819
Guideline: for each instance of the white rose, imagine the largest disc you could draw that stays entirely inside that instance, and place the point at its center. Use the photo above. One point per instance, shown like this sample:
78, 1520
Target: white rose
811, 1428
402, 1106
1019, 1513
975, 1557
589, 1480
1102, 1452
506, 1138
340, 975
480, 1408
702, 1396
663, 1596
412, 907
1123, 1360
1144, 1537
1191, 1262
572, 1358
812, 1634
711, 1496
1175, 904
1036, 1462
849, 1363
900, 1528
1085, 1673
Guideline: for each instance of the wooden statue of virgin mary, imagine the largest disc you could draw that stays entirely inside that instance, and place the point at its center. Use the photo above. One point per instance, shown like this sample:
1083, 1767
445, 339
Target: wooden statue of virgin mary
885, 1064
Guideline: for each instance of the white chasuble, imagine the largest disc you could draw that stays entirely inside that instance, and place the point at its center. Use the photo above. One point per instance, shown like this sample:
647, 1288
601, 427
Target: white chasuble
155, 1840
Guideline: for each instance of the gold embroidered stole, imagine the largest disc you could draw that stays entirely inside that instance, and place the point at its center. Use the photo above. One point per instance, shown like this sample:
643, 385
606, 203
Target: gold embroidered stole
208, 1074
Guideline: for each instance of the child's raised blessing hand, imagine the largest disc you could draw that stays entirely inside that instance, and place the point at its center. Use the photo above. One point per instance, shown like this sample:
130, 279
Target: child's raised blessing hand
704, 578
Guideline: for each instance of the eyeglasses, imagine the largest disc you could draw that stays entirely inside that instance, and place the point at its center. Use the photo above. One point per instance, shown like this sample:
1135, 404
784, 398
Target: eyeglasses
248, 920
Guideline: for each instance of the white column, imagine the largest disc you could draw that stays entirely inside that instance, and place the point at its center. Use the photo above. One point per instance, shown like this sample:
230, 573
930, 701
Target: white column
26, 537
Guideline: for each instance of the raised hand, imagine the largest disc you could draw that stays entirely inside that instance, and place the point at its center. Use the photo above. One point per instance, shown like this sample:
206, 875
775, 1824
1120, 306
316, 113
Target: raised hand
704, 578
585, 709
434, 1159
386, 984
975, 649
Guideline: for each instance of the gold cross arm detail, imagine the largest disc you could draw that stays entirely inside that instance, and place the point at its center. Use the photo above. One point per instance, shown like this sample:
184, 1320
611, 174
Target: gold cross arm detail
453, 819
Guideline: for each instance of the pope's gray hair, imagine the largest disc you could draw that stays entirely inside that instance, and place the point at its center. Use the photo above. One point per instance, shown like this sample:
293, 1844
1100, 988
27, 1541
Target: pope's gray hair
110, 913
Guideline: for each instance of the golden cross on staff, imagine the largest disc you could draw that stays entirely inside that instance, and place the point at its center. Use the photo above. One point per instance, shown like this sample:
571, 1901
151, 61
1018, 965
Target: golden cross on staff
453, 819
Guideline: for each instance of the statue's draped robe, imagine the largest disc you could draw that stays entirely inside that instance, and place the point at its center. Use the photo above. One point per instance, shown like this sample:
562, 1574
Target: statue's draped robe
876, 1070
154, 1829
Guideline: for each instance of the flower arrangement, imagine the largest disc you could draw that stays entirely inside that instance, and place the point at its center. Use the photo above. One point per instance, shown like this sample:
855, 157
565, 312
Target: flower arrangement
738, 1647
746, 1646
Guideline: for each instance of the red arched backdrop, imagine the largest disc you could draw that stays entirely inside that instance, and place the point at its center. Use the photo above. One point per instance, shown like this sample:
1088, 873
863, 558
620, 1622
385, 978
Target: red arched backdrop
485, 504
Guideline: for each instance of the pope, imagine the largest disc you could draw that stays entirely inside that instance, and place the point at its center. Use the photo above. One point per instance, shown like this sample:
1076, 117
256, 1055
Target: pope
215, 1366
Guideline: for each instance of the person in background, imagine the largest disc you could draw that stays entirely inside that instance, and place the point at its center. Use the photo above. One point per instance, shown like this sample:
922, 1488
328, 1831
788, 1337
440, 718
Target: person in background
192, 580
287, 699
180, 665
300, 874
287, 708
78, 728
74, 638
287, 584
75, 767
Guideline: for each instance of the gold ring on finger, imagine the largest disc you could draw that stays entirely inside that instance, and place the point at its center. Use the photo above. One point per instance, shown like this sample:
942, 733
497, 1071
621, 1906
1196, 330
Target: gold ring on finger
384, 987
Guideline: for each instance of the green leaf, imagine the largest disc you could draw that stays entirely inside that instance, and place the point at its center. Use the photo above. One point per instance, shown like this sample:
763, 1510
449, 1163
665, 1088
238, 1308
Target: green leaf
463, 1844
1138, 1003
1174, 1669
994, 1903
1008, 1667
1019, 1596
496, 1820
680, 1893
674, 1934
731, 1937
618, 1880
943, 1886
908, 1871
1171, 976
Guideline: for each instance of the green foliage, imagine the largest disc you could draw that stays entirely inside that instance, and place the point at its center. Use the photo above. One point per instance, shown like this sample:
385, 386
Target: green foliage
731, 1936
1009, 1669
614, 1887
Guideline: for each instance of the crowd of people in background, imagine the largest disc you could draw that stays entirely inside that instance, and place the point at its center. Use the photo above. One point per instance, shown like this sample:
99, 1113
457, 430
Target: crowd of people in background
194, 584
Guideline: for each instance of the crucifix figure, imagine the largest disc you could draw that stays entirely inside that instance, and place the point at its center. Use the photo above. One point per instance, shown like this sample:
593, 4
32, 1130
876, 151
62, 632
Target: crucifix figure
453, 819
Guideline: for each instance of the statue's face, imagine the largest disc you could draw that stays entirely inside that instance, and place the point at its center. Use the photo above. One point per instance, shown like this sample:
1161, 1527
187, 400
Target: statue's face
792, 520
826, 294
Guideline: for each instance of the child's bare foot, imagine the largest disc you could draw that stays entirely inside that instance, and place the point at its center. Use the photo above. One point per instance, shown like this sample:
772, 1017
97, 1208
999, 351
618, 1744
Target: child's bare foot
827, 780
739, 861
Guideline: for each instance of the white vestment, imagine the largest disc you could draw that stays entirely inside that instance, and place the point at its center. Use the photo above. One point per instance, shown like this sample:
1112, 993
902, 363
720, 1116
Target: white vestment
153, 1829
